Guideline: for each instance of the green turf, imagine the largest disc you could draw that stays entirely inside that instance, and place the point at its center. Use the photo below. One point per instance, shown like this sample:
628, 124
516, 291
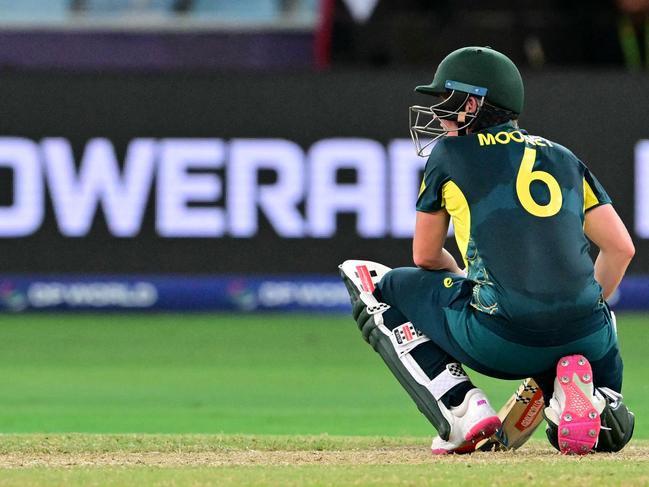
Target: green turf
606, 474
263, 374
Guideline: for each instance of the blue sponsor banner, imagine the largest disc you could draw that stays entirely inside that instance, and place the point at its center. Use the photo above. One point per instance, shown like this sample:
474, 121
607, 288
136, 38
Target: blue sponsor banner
632, 295
173, 293
306, 293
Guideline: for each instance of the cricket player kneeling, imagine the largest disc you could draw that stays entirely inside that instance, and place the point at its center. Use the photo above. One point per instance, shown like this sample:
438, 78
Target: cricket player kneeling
439, 386
526, 292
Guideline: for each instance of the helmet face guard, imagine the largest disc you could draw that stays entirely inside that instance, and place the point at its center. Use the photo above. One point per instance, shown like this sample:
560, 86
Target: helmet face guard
426, 122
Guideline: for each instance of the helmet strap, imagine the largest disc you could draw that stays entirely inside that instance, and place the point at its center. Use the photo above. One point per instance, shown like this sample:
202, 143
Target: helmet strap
461, 119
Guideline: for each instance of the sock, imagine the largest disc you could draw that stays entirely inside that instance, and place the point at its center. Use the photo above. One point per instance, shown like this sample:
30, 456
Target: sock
433, 363
456, 395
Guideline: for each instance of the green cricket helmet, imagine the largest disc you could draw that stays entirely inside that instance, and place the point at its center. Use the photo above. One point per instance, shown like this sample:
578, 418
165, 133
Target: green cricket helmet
488, 75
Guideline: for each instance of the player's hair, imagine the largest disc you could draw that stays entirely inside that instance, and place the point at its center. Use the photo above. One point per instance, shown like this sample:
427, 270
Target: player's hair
490, 115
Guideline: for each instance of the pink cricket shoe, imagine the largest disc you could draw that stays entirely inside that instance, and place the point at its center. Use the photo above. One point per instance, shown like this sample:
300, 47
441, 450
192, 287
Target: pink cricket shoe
472, 421
578, 407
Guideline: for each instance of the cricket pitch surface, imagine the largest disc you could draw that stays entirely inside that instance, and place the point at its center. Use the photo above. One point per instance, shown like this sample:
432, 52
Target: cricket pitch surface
235, 460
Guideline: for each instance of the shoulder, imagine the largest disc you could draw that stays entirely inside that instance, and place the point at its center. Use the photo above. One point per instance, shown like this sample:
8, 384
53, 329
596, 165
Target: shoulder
557, 147
446, 150
440, 153
556, 150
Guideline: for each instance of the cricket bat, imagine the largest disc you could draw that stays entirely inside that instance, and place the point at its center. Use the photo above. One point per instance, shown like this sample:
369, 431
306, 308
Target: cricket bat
520, 415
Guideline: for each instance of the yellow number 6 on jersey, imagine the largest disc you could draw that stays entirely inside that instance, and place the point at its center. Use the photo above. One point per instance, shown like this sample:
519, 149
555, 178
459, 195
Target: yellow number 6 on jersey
524, 181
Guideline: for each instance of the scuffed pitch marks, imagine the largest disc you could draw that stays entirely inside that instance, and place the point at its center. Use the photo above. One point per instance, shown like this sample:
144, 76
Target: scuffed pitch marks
216, 459
379, 456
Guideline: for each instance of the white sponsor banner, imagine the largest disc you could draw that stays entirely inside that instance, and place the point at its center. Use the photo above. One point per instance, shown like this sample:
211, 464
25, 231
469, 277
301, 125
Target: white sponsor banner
211, 187
642, 189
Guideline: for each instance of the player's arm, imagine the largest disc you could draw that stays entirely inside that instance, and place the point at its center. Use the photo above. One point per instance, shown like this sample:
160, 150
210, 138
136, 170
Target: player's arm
605, 229
428, 250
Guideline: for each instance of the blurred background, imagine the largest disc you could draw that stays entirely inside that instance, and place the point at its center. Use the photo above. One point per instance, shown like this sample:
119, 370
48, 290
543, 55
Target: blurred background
160, 158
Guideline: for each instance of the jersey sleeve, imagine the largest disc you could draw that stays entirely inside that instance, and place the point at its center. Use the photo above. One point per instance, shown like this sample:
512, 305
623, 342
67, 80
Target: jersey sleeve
594, 193
430, 191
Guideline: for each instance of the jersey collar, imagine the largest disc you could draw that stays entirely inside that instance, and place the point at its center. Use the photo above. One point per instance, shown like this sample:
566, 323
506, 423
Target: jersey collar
503, 127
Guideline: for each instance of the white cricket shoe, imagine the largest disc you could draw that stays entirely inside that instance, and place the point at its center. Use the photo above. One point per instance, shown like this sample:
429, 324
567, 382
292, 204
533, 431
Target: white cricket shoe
575, 406
471, 421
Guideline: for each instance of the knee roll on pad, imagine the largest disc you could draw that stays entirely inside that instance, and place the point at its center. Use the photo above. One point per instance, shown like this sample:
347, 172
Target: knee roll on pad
364, 320
366, 327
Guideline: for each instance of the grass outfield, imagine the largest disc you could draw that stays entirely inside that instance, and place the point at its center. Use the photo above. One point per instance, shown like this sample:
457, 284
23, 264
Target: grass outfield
230, 460
240, 381
261, 374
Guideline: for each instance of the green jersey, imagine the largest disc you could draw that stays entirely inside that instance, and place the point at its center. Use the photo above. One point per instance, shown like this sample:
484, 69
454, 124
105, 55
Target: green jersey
517, 203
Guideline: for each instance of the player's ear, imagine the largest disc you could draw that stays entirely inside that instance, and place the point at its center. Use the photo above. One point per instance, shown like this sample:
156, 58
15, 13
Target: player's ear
471, 105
